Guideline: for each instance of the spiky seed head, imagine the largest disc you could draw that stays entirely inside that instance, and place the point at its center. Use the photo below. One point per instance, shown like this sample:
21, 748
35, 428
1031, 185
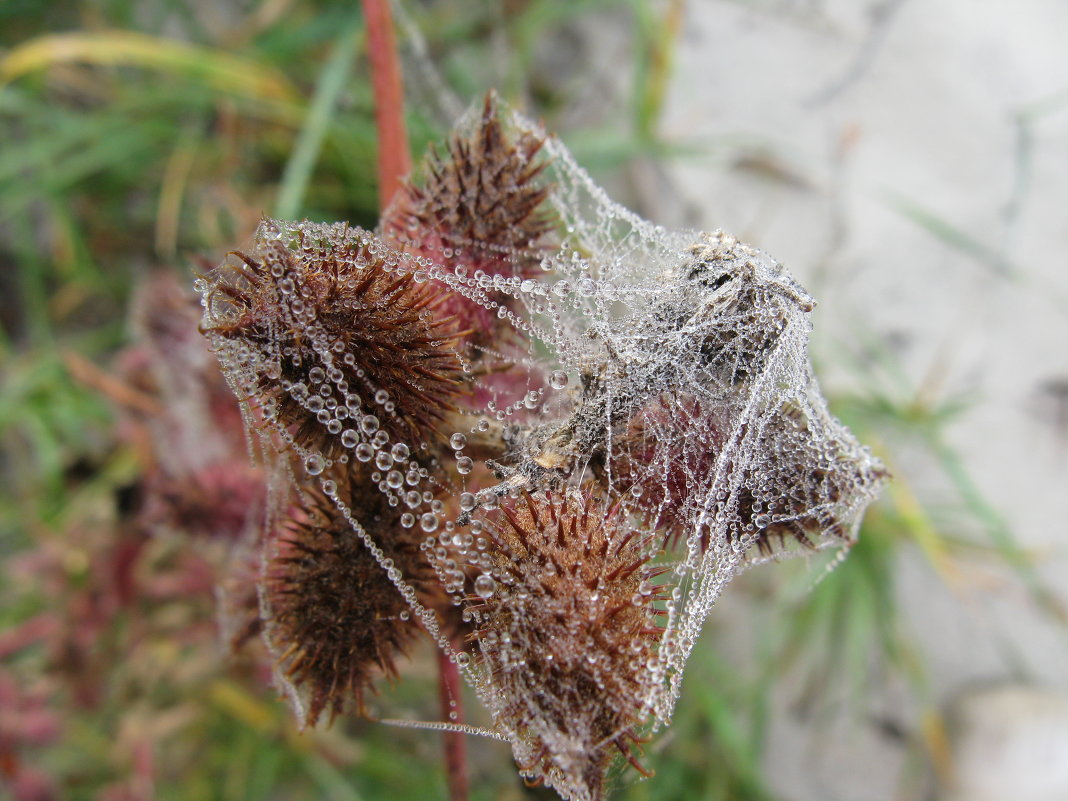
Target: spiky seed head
481, 206
667, 460
319, 325
567, 634
482, 200
335, 619
803, 496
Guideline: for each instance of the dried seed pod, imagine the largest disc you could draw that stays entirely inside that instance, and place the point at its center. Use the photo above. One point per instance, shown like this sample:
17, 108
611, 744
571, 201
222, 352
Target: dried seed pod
568, 628
332, 339
807, 493
738, 304
664, 461
798, 493
335, 620
480, 210
481, 205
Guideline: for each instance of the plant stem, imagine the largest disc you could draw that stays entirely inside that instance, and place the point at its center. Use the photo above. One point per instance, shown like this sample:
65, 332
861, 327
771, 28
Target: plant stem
451, 689
394, 160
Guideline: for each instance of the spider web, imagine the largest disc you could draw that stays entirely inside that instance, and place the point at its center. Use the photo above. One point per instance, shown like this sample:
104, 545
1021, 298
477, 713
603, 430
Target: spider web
666, 372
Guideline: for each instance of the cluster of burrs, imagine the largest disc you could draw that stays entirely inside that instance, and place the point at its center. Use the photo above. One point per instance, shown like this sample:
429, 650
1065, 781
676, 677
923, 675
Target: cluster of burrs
525, 423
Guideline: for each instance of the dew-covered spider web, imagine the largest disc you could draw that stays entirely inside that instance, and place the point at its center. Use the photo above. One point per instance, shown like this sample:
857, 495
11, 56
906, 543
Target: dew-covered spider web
545, 431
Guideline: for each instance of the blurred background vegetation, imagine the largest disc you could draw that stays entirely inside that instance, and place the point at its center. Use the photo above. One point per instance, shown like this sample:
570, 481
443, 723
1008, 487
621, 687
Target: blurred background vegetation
137, 137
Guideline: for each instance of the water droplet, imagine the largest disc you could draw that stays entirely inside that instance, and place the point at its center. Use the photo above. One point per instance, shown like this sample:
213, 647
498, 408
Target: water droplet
314, 464
369, 424
429, 522
400, 452
394, 479
531, 399
558, 379
381, 397
467, 501
458, 441
464, 465
349, 438
762, 520
383, 461
407, 520
364, 452
485, 586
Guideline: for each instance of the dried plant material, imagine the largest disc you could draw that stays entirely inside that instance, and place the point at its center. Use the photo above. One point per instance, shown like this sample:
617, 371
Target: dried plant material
342, 344
481, 203
333, 618
567, 627
633, 423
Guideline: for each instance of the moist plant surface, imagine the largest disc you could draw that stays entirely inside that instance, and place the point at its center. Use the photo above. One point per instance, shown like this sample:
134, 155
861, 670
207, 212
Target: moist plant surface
532, 425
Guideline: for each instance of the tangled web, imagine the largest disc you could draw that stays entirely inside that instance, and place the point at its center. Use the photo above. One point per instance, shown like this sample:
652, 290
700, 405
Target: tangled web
548, 430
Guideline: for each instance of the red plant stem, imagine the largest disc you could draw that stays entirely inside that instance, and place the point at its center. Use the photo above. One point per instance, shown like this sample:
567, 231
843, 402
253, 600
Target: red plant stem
455, 747
394, 159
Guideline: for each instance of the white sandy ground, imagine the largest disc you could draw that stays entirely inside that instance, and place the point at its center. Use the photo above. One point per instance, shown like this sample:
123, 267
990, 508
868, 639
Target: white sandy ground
819, 120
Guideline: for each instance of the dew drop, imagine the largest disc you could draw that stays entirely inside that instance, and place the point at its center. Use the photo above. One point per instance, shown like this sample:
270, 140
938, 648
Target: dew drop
458, 441
428, 522
464, 465
364, 452
349, 438
558, 379
485, 586
467, 501
314, 464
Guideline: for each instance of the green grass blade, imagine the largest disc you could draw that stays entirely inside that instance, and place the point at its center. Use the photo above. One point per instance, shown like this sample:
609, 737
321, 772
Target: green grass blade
328, 88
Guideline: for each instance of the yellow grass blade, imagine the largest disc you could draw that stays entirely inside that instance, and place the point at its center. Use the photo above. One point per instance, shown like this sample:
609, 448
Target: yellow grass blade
215, 68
